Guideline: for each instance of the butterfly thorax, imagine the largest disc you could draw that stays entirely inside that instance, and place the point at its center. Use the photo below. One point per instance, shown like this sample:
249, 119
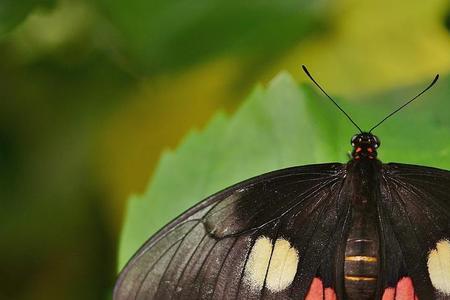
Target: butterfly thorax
361, 261
365, 146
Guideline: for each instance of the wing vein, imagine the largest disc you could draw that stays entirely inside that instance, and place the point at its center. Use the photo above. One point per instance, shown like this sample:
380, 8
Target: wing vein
189, 260
221, 266
151, 268
405, 213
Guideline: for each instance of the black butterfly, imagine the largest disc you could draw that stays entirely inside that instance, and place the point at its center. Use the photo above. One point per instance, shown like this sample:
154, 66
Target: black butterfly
361, 230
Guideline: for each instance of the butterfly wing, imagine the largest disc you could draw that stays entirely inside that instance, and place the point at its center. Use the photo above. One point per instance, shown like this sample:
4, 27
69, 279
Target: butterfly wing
268, 237
414, 214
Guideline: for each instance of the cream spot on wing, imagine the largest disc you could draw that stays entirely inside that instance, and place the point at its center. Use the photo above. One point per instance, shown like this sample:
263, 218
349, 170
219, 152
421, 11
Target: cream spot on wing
283, 266
283, 260
439, 266
258, 261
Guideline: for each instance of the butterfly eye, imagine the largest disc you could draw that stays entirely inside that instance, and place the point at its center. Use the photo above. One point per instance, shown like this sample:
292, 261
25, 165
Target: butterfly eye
376, 141
352, 142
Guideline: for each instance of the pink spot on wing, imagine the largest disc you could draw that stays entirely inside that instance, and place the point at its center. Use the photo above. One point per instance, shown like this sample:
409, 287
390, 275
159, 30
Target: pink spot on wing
403, 291
389, 294
315, 290
330, 294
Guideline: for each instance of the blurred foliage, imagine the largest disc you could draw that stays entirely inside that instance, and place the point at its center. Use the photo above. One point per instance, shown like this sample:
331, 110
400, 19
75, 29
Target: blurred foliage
370, 47
92, 91
165, 119
12, 12
51, 201
279, 127
170, 34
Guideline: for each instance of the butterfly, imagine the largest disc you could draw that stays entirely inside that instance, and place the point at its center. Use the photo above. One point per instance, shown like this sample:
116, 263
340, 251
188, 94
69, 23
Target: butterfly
356, 231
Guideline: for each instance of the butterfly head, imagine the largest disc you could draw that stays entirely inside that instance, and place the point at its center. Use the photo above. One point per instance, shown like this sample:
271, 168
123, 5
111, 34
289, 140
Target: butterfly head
365, 146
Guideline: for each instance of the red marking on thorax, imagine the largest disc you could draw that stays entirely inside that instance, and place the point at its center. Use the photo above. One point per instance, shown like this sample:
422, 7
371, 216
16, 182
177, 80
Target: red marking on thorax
317, 292
403, 291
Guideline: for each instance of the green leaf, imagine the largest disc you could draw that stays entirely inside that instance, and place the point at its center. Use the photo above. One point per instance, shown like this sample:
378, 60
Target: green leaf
281, 126
166, 34
12, 12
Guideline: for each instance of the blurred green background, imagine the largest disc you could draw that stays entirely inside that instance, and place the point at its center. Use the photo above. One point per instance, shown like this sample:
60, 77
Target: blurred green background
91, 92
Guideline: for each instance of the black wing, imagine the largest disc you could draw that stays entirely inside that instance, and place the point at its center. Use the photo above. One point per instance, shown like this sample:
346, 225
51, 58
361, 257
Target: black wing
267, 237
414, 216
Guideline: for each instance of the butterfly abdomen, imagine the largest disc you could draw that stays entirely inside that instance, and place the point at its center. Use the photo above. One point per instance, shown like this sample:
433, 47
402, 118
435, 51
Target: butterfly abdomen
361, 266
361, 260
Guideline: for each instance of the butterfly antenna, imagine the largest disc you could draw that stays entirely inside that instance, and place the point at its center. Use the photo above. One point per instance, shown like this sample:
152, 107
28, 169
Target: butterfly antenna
398, 109
323, 91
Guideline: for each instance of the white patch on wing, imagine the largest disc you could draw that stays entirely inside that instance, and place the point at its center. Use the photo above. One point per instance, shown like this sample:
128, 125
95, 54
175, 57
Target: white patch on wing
258, 261
283, 260
439, 266
283, 266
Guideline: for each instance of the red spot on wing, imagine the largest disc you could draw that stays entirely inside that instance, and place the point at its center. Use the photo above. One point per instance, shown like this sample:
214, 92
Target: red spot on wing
389, 294
330, 294
403, 291
317, 292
